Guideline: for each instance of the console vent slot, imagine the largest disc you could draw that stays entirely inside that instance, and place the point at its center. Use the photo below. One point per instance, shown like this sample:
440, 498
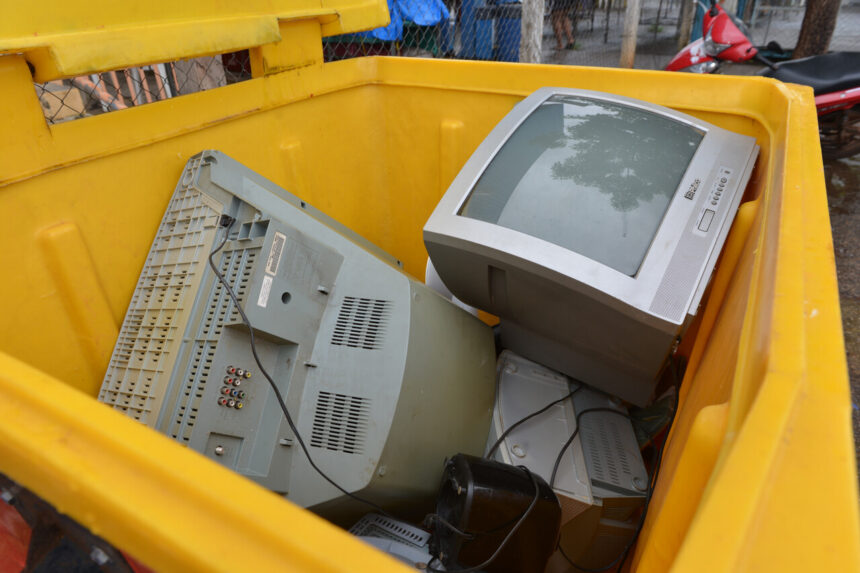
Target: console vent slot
361, 323
237, 266
605, 452
375, 525
340, 423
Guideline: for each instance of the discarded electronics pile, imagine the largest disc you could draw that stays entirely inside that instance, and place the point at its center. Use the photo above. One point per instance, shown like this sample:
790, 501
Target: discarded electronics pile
274, 340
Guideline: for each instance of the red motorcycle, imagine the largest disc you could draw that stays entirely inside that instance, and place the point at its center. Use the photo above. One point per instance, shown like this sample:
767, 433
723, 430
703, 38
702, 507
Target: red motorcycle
835, 77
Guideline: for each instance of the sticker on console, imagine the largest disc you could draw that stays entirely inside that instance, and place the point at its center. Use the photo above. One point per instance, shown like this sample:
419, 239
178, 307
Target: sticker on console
265, 289
275, 253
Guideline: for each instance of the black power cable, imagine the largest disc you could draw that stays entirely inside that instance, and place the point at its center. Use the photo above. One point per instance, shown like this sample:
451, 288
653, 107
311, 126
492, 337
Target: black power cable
432, 518
514, 426
226, 223
622, 557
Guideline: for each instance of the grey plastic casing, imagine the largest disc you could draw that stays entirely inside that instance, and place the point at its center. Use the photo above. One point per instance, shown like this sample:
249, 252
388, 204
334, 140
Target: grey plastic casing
383, 377
403, 541
564, 310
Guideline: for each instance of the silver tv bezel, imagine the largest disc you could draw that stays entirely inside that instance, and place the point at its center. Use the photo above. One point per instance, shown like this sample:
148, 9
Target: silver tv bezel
717, 148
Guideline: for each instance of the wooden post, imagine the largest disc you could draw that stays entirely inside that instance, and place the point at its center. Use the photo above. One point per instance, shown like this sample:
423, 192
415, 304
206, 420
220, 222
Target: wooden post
532, 31
685, 22
628, 36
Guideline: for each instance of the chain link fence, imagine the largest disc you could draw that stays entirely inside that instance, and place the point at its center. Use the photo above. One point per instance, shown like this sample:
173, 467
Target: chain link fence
575, 32
582, 32
65, 100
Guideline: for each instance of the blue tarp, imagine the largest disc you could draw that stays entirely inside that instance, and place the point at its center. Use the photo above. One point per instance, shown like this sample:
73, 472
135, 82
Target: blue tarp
422, 12
419, 12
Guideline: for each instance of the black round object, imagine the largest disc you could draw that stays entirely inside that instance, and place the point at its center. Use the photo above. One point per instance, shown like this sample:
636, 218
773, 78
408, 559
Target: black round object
484, 500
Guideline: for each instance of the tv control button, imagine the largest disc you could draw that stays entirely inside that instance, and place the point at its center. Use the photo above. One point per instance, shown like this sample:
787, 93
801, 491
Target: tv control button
705, 223
723, 180
713, 202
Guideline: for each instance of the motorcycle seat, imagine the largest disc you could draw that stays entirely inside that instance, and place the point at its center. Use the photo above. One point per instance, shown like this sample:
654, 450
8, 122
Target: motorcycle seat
827, 73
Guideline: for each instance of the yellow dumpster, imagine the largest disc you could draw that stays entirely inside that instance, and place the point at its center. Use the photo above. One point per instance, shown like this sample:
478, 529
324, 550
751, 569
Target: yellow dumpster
758, 473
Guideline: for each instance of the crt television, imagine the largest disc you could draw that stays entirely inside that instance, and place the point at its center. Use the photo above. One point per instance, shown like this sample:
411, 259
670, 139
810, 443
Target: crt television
590, 224
383, 377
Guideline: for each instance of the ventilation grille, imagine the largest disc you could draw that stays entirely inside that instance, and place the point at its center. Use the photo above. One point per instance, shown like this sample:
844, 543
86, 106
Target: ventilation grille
340, 423
149, 339
237, 266
361, 323
605, 451
375, 525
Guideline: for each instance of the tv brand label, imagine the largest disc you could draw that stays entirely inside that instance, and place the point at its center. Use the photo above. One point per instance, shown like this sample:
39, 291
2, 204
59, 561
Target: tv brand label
691, 192
275, 253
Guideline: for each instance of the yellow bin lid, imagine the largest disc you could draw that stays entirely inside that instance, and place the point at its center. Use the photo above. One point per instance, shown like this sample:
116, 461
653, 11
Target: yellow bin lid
65, 39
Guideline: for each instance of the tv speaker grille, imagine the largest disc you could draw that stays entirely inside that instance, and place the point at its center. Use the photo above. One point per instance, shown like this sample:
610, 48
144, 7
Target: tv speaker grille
361, 323
340, 423
670, 300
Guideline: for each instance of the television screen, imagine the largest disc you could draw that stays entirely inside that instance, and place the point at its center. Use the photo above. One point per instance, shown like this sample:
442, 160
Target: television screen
591, 176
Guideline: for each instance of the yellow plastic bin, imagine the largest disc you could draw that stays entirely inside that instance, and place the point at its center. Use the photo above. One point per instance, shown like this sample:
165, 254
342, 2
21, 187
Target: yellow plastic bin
759, 471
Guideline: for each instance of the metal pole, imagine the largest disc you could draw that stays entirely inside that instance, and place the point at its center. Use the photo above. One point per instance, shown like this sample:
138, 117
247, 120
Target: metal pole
606, 26
657, 22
